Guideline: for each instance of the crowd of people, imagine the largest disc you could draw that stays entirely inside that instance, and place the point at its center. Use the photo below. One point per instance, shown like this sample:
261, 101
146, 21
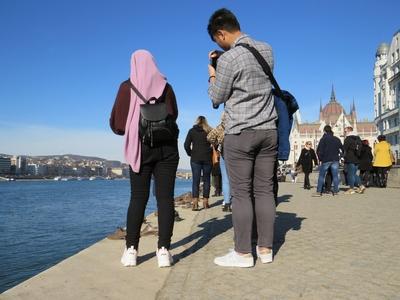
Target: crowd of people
362, 165
246, 142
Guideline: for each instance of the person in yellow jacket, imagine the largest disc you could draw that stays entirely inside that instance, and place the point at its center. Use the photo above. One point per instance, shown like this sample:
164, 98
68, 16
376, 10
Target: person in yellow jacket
383, 160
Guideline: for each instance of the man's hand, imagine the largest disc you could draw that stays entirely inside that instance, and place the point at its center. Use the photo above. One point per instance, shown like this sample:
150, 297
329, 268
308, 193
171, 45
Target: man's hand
211, 69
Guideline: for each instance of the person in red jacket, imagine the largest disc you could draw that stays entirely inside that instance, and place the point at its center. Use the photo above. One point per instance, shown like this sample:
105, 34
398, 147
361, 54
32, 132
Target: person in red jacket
144, 160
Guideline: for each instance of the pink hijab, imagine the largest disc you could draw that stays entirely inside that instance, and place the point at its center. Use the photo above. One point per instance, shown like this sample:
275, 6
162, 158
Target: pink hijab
146, 77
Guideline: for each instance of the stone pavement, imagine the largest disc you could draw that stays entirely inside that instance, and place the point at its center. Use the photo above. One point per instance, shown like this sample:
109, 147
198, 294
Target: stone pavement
333, 247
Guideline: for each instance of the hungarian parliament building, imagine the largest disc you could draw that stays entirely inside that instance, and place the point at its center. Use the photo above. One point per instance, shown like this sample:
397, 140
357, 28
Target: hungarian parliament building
332, 114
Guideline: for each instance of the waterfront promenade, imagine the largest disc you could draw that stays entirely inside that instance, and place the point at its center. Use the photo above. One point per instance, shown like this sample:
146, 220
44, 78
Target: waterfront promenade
333, 247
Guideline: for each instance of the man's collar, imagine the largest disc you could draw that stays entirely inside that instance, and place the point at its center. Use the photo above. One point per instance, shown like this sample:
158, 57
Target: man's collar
239, 39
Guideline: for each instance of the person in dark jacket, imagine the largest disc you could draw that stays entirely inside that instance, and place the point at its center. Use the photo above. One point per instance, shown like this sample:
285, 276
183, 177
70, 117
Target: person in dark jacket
352, 148
365, 165
328, 151
306, 159
200, 151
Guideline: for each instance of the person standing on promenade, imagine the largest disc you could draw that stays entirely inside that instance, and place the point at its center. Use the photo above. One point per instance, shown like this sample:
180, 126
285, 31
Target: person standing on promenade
306, 159
328, 151
250, 144
383, 160
216, 138
352, 150
200, 151
146, 160
365, 164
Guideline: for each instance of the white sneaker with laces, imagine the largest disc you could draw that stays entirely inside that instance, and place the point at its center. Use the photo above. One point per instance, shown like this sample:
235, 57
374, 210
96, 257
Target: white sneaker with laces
164, 258
129, 257
233, 259
265, 258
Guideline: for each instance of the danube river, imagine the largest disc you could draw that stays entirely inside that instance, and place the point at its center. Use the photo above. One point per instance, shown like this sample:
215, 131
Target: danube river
44, 222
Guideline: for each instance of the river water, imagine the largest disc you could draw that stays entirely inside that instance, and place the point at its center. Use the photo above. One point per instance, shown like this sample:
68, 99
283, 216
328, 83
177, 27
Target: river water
44, 222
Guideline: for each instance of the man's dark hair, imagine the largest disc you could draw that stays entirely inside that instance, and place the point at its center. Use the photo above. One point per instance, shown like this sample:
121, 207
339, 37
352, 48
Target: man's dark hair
381, 138
222, 19
328, 129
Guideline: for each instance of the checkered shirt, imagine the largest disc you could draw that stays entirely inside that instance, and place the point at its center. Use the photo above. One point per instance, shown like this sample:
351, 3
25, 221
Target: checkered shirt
245, 89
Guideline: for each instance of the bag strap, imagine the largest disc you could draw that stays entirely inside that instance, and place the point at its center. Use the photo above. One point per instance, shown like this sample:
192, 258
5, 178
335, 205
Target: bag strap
266, 68
137, 92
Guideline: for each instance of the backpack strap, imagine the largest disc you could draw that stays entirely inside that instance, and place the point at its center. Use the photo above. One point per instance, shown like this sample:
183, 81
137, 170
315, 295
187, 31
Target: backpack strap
137, 92
266, 68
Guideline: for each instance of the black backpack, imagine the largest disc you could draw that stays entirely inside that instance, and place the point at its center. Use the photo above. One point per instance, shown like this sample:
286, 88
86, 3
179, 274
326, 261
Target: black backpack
156, 125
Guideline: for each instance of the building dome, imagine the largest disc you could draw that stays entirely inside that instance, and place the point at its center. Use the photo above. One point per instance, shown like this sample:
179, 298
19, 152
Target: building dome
332, 109
382, 49
331, 112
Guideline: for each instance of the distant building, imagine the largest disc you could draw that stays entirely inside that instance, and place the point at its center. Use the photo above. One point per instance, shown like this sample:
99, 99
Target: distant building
5, 165
117, 171
32, 169
42, 170
21, 165
332, 114
125, 171
387, 91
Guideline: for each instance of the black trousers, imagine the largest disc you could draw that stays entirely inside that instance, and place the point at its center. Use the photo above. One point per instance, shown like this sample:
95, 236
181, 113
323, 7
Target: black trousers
307, 179
382, 176
328, 181
365, 177
161, 163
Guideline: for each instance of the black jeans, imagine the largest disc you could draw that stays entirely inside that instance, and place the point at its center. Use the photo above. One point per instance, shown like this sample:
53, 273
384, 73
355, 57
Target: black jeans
197, 167
161, 162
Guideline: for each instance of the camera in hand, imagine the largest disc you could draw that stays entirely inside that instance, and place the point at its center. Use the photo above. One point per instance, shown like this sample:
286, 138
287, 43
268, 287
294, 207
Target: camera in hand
213, 60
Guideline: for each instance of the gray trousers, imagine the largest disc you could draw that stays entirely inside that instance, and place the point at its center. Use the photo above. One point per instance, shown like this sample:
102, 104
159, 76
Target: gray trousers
250, 157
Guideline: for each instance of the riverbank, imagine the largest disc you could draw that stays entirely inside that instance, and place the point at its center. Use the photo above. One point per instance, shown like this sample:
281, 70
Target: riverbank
322, 250
55, 220
96, 272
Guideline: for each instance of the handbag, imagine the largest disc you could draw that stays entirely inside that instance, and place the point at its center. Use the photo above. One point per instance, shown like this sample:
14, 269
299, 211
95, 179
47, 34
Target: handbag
215, 156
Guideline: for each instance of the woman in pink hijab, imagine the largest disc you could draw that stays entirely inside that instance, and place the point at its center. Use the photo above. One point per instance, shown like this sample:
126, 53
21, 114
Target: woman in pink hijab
145, 161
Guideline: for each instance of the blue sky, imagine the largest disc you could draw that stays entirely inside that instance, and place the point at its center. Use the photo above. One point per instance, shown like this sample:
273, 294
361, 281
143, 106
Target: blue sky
61, 62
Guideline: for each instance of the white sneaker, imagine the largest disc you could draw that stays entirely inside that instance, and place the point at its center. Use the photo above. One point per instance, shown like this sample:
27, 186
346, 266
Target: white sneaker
360, 189
129, 257
164, 258
233, 259
265, 258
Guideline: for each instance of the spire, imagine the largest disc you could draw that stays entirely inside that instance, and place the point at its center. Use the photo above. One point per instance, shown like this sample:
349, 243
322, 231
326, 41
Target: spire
354, 106
320, 105
333, 96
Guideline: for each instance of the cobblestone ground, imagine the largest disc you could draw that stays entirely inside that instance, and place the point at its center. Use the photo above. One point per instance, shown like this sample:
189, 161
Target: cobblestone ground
333, 247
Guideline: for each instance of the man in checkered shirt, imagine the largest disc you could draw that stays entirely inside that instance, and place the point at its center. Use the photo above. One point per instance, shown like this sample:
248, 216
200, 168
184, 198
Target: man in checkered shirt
250, 142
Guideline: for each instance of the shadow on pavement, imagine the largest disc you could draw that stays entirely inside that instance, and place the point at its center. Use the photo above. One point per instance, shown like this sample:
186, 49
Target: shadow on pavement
284, 222
210, 229
283, 198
